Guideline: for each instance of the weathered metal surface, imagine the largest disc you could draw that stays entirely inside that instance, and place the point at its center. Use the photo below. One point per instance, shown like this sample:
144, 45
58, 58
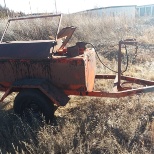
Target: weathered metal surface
57, 96
72, 51
26, 49
27, 64
119, 94
90, 68
126, 79
124, 91
65, 34
137, 81
123, 42
63, 72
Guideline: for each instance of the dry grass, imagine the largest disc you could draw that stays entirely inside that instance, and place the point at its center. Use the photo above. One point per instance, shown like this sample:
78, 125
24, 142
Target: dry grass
86, 124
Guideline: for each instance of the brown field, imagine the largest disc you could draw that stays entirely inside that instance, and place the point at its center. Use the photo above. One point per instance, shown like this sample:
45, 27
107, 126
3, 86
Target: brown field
89, 124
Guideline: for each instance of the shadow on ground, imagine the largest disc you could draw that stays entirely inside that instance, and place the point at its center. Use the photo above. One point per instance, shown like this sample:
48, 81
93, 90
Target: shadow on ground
84, 129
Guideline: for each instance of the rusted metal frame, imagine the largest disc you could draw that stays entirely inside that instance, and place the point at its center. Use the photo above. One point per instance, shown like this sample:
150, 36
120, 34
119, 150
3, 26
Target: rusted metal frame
31, 17
49, 96
127, 78
111, 95
18, 88
4, 86
105, 76
6, 27
119, 66
55, 94
125, 42
58, 26
137, 80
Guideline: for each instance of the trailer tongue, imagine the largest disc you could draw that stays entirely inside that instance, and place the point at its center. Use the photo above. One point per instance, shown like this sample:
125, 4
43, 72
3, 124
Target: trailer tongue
45, 72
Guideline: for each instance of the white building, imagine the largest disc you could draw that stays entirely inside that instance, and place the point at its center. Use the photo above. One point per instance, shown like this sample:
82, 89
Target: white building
121, 11
128, 11
145, 10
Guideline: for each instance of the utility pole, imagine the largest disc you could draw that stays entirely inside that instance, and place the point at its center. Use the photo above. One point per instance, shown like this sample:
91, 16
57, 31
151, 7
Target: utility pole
7, 13
30, 7
56, 6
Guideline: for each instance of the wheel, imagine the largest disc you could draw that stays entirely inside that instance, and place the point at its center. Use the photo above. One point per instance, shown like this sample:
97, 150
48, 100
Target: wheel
33, 102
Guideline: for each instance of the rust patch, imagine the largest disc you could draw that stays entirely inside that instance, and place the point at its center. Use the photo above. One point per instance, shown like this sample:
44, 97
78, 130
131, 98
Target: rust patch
65, 73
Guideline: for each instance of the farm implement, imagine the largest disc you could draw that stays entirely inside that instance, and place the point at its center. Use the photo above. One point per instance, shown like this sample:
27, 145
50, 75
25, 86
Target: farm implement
46, 72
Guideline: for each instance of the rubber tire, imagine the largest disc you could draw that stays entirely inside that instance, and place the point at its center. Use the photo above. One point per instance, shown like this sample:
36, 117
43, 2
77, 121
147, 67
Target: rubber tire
28, 96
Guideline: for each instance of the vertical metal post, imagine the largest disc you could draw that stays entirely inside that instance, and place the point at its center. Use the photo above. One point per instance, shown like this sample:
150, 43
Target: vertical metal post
119, 65
30, 7
7, 13
58, 26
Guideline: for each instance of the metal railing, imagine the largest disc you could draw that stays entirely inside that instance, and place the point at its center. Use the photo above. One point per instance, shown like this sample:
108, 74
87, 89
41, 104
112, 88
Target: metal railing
31, 17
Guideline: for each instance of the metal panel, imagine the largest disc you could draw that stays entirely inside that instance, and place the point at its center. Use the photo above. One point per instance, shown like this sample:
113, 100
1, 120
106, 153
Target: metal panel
63, 72
26, 49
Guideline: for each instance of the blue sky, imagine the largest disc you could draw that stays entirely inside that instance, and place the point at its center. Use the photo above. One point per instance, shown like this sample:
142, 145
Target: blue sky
66, 6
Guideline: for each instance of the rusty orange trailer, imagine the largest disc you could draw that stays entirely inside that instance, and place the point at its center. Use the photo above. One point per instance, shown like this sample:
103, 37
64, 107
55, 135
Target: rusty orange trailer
45, 73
